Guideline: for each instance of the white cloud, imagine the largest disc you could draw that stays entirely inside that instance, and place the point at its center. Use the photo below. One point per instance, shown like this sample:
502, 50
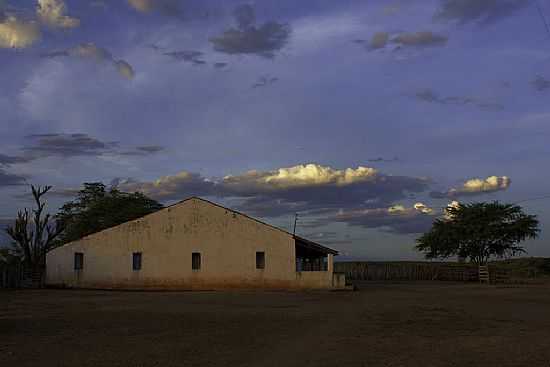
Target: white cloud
15, 33
98, 54
125, 69
304, 175
52, 13
142, 5
476, 186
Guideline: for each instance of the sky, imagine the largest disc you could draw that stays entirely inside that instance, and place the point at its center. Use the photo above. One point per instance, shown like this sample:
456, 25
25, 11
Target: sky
367, 118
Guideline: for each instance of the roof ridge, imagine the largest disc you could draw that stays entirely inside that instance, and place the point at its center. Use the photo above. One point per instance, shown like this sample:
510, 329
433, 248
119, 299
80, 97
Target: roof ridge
211, 203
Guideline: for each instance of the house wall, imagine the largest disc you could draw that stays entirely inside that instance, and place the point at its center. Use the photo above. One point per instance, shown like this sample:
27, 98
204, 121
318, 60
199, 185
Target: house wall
227, 241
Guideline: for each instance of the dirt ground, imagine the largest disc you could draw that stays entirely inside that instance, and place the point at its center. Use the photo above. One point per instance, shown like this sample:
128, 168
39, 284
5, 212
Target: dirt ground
382, 324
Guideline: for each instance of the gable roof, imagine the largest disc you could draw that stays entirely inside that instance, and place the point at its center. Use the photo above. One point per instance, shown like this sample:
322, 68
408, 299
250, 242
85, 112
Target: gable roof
302, 241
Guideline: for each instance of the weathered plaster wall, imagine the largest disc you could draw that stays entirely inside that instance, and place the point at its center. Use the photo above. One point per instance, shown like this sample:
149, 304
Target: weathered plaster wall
227, 242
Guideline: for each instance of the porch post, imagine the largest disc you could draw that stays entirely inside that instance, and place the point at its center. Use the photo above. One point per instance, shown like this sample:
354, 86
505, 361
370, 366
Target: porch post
330, 263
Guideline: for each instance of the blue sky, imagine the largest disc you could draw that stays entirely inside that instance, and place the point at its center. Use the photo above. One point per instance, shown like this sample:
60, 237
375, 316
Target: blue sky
367, 118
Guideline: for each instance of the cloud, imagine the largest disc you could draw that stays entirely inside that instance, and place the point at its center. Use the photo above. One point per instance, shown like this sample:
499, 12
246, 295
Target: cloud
67, 145
7, 160
144, 6
411, 39
273, 193
428, 95
8, 179
420, 39
194, 57
264, 81
168, 7
540, 83
395, 219
476, 186
15, 33
380, 159
263, 40
98, 54
481, 11
307, 175
52, 13
176, 187
220, 65
379, 40
143, 150
72, 145
124, 69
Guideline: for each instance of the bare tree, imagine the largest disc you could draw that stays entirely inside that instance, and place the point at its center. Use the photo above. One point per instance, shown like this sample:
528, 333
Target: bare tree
34, 235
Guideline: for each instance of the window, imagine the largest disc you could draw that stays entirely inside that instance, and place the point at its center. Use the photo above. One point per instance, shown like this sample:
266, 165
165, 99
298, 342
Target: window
136, 261
78, 261
196, 261
260, 260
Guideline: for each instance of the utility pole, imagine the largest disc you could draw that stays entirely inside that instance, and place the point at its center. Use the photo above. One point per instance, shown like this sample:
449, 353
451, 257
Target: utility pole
295, 220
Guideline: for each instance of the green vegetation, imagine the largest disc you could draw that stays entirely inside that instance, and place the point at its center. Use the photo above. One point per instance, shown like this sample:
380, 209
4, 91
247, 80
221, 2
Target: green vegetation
97, 208
479, 231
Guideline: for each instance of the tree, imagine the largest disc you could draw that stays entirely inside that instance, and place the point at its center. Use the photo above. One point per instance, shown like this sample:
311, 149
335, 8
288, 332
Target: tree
479, 231
97, 208
33, 237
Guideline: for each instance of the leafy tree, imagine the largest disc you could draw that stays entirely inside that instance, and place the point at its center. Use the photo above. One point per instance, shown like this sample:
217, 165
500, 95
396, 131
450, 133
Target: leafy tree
97, 208
33, 236
479, 231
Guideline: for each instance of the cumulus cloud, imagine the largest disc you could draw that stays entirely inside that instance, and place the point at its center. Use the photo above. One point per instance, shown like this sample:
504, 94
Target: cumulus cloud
309, 187
300, 176
379, 40
430, 96
175, 187
395, 219
124, 69
481, 11
420, 39
248, 38
15, 33
476, 186
540, 83
453, 204
53, 14
169, 7
142, 5
98, 54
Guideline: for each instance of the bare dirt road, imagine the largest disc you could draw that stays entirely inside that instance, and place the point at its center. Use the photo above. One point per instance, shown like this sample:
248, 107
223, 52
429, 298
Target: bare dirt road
383, 324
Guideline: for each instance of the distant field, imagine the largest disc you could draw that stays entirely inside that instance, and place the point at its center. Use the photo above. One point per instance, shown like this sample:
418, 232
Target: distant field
424, 324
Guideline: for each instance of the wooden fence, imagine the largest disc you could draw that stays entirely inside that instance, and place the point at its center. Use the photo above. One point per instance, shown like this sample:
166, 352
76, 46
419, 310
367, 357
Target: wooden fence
411, 271
11, 275
15, 275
